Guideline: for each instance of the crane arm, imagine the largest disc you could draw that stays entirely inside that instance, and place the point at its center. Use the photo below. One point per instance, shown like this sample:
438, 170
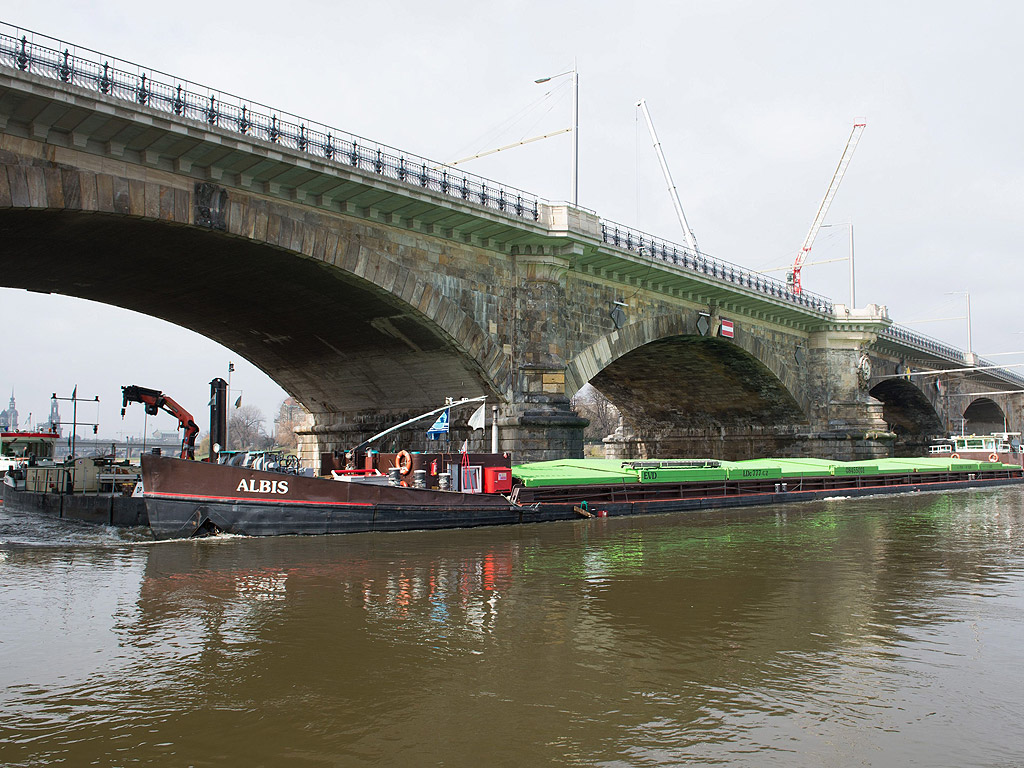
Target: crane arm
155, 400
687, 232
851, 145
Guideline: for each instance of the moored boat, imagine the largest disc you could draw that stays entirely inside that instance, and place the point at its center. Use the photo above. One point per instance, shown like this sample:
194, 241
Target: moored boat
18, 448
1001, 447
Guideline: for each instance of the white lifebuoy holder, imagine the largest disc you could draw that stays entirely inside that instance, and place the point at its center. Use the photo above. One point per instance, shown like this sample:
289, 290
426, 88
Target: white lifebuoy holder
954, 456
993, 457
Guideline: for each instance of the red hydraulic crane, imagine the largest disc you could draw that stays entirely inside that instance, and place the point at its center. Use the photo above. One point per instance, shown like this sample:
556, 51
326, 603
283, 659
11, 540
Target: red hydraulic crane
155, 400
793, 277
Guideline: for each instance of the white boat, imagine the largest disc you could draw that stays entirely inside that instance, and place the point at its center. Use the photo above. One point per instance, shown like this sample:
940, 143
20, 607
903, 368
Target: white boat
18, 448
1004, 447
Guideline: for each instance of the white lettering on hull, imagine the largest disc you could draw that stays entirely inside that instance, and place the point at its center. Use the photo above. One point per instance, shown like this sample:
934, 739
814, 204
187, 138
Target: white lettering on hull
263, 486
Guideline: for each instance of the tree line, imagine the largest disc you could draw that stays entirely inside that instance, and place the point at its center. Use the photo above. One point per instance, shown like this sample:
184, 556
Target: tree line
248, 430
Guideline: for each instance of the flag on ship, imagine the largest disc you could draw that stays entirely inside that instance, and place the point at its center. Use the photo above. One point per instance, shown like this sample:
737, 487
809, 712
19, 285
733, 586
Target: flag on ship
440, 427
478, 419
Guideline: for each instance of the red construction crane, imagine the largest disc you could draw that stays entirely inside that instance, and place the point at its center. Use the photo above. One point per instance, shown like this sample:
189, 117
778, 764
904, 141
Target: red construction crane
793, 277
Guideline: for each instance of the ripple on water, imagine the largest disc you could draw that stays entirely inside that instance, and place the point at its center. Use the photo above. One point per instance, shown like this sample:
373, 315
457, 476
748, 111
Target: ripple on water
27, 529
848, 632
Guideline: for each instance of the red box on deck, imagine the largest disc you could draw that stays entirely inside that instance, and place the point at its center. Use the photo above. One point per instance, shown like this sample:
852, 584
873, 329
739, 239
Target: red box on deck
497, 479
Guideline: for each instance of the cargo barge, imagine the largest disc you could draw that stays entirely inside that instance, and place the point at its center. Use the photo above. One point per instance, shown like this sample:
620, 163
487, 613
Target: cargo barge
188, 498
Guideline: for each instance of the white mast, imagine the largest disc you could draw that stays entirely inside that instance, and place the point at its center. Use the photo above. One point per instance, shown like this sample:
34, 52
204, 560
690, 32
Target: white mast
687, 232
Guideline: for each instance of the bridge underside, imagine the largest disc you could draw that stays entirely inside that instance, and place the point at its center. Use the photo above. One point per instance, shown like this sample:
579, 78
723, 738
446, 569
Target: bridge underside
909, 414
983, 417
690, 395
333, 341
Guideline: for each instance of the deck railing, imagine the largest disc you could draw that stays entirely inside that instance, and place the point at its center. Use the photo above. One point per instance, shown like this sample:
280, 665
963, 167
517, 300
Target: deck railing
901, 335
924, 343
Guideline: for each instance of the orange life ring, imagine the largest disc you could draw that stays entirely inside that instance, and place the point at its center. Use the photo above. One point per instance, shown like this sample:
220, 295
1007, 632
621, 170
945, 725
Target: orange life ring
954, 456
404, 462
993, 457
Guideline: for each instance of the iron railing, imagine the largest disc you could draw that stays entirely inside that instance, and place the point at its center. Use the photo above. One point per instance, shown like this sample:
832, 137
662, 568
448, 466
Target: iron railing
920, 342
655, 248
122, 80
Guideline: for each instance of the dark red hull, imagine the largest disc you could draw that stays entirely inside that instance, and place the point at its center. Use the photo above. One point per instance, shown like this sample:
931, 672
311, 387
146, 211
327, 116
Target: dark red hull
186, 498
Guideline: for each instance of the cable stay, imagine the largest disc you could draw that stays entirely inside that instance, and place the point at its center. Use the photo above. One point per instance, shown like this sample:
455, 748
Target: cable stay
510, 146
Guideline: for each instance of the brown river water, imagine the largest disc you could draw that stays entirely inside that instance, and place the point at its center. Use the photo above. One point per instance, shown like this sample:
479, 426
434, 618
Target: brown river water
852, 632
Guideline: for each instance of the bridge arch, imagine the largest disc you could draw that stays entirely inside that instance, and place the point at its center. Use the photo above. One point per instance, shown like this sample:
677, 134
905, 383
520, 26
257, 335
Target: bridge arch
676, 388
908, 413
984, 416
318, 302
777, 355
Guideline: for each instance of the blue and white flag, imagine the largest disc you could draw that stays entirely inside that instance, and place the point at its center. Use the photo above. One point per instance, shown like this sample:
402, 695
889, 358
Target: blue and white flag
440, 427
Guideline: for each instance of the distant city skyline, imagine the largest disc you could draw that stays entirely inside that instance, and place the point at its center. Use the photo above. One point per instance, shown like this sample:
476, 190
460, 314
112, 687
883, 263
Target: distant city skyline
11, 418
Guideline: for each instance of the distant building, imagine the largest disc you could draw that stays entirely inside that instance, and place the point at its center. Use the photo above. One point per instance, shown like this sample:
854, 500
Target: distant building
9, 418
55, 416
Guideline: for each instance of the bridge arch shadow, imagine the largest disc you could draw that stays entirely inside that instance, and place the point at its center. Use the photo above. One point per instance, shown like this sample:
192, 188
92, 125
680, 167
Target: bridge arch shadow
685, 394
909, 414
984, 416
335, 340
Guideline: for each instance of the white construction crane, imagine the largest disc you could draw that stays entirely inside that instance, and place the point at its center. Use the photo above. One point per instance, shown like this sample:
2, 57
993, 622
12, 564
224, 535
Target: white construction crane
687, 232
793, 277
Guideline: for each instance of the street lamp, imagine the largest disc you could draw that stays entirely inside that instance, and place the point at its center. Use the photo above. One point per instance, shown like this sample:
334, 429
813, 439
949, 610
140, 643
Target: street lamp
970, 348
575, 125
853, 293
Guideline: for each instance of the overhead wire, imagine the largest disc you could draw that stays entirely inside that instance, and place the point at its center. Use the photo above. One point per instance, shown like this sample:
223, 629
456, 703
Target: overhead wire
490, 136
788, 259
554, 103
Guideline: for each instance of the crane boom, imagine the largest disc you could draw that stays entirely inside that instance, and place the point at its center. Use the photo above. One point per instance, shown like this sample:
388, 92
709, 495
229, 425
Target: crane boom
793, 278
154, 401
687, 232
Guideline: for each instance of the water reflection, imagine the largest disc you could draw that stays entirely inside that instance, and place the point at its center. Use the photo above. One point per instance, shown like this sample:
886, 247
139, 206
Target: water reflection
850, 631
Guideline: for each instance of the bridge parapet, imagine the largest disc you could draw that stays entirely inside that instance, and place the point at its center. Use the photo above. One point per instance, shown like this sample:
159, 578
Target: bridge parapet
658, 249
51, 58
947, 353
924, 343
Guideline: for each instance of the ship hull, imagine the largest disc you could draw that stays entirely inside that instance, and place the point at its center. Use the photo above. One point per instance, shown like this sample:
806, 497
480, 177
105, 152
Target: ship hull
185, 499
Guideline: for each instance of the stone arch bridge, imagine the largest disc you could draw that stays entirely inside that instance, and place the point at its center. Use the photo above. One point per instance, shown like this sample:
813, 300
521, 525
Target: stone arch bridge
371, 284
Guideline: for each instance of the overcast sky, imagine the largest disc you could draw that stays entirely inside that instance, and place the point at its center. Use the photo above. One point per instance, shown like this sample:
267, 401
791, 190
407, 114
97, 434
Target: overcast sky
753, 103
